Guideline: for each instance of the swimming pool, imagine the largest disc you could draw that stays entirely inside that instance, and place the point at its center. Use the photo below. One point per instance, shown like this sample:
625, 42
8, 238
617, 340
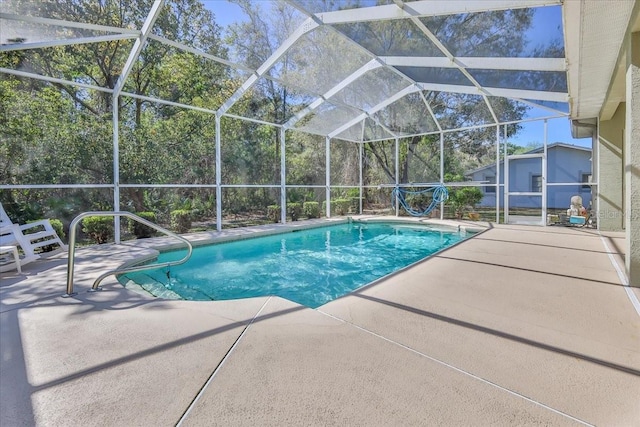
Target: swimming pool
310, 267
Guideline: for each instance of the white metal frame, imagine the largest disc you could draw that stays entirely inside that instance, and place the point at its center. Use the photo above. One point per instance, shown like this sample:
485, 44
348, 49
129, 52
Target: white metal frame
399, 10
543, 192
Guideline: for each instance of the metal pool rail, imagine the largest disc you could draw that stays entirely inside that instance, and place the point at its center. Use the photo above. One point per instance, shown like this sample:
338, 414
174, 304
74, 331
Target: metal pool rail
95, 287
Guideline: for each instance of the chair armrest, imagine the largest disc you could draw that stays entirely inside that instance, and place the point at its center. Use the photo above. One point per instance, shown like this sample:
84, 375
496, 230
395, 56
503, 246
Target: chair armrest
42, 223
10, 235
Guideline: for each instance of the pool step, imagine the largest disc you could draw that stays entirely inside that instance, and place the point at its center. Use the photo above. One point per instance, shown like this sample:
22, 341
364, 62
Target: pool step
148, 284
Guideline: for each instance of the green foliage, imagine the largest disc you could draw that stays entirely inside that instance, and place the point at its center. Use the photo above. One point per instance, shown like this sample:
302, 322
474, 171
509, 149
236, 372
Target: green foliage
21, 213
140, 230
462, 198
99, 228
58, 227
354, 206
294, 210
181, 220
340, 206
521, 149
352, 193
311, 209
273, 213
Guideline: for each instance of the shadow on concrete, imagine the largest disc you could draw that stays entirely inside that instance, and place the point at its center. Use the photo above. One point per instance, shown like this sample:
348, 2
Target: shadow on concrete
505, 335
587, 232
15, 402
164, 347
542, 245
568, 276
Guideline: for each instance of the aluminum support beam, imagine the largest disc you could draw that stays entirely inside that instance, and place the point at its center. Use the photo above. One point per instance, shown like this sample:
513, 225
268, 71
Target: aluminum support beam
308, 25
505, 188
397, 178
283, 177
409, 89
327, 159
543, 107
428, 8
430, 110
544, 173
68, 24
501, 92
164, 102
498, 174
441, 169
64, 42
54, 80
138, 45
501, 63
218, 175
371, 65
197, 52
360, 177
116, 167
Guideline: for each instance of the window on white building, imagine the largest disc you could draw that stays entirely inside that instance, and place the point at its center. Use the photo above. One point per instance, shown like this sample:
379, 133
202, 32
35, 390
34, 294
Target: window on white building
586, 177
536, 183
492, 182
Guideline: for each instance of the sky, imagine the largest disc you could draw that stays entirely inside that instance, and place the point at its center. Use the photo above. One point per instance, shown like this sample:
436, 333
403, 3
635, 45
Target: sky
559, 130
546, 24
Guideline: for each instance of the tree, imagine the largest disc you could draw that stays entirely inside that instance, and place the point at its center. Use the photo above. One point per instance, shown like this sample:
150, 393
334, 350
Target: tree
69, 128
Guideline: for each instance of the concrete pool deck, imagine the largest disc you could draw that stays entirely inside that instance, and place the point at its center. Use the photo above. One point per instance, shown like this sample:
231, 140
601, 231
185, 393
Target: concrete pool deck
519, 325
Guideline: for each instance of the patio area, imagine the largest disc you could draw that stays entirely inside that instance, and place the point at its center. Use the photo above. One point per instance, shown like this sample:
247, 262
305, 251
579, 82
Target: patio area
518, 325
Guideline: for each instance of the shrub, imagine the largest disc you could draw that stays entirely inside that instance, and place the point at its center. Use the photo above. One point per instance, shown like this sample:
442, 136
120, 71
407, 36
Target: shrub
294, 210
57, 225
354, 204
181, 220
340, 206
353, 193
464, 198
142, 231
99, 228
273, 213
311, 209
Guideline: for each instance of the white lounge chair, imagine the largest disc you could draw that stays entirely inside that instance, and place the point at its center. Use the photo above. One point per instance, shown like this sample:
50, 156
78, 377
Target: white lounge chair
28, 237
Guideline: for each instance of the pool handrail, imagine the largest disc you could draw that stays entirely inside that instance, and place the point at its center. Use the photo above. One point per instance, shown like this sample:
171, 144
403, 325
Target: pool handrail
95, 287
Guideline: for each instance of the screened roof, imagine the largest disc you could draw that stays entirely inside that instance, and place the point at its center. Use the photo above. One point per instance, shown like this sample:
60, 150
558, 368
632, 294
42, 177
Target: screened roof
357, 71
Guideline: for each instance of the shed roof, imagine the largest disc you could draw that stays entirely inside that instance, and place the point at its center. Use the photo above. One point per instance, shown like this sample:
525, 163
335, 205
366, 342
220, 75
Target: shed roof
552, 146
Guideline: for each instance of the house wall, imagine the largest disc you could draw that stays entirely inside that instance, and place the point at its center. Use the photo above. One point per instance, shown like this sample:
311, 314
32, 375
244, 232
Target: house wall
563, 165
619, 161
611, 173
567, 165
489, 199
631, 158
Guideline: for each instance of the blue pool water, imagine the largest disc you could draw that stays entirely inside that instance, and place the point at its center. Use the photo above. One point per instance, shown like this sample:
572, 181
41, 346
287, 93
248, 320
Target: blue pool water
310, 267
